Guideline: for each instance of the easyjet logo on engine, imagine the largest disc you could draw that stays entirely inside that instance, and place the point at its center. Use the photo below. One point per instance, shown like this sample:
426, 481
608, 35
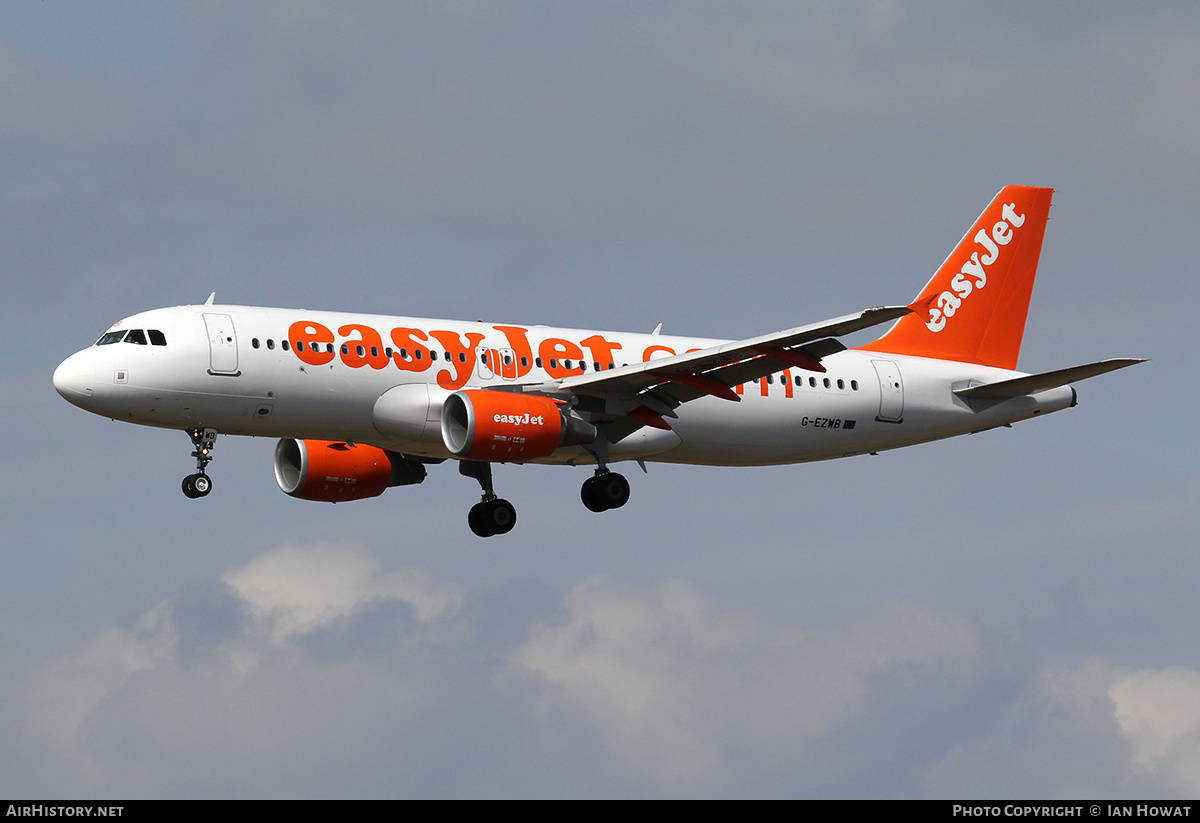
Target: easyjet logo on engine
972, 275
519, 419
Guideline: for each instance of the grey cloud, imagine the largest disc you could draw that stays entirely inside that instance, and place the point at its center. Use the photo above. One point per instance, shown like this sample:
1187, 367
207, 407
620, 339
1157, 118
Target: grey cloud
324, 687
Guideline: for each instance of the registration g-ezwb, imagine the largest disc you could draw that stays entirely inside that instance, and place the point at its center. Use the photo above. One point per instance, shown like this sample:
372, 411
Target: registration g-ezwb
364, 402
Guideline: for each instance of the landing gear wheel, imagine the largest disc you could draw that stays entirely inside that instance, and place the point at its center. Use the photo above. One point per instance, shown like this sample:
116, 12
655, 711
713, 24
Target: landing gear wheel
613, 489
477, 520
503, 516
605, 491
492, 517
589, 493
197, 485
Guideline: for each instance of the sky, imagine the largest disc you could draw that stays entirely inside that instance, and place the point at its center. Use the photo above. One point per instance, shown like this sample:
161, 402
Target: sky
1007, 614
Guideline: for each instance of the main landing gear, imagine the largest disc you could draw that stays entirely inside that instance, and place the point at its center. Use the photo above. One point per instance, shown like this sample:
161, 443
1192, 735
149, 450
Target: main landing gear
200, 484
605, 490
491, 515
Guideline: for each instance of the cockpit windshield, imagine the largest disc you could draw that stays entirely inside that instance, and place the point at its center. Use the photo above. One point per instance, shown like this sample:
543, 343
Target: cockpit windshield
135, 336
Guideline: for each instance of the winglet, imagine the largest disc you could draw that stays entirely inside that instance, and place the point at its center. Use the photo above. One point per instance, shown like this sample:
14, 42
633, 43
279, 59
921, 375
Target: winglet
974, 308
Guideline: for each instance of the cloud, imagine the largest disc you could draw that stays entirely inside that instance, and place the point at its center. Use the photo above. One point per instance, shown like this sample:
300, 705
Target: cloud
1158, 712
311, 671
296, 590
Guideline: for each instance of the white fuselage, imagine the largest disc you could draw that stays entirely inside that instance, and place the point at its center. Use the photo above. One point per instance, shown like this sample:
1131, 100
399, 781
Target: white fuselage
238, 370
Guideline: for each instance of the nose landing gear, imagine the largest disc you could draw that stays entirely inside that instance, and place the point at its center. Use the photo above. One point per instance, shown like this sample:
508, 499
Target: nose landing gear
200, 484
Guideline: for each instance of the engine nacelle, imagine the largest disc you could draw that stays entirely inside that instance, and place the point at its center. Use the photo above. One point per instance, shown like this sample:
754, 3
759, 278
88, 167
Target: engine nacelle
333, 471
507, 427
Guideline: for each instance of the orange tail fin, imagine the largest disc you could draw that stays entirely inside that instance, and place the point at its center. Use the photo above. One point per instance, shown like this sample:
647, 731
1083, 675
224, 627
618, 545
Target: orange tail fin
974, 308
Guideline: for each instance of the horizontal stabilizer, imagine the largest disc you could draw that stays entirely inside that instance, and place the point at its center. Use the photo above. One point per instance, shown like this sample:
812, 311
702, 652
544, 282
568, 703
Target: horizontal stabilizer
1034, 383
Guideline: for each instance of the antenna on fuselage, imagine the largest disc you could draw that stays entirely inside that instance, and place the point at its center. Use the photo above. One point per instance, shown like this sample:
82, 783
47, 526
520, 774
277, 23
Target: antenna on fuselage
657, 329
210, 299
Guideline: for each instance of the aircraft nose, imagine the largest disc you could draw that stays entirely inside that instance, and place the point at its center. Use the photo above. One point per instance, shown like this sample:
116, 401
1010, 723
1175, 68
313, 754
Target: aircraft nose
74, 378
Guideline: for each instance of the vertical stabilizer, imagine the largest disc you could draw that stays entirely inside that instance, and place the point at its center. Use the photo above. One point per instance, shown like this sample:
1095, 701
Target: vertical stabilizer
974, 308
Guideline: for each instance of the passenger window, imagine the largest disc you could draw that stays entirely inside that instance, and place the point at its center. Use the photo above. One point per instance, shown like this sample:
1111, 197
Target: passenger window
283, 344
432, 355
554, 363
374, 351
812, 382
345, 349
270, 343
826, 382
329, 348
254, 343
360, 351
388, 352
770, 380
524, 361
841, 384
537, 361
137, 337
157, 338
854, 385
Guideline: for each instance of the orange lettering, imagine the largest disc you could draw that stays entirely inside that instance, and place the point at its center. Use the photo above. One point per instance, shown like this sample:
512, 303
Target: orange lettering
602, 350
652, 349
368, 340
308, 339
462, 358
555, 348
518, 341
405, 339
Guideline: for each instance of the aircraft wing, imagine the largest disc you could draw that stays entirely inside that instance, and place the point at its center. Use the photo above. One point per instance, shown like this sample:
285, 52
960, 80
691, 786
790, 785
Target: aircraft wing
644, 392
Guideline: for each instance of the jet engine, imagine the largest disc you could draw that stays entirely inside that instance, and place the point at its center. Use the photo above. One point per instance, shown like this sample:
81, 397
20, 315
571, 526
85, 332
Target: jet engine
509, 427
333, 471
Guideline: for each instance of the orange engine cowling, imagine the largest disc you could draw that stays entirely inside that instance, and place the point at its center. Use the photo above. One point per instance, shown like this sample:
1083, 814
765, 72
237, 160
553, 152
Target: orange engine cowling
333, 471
508, 427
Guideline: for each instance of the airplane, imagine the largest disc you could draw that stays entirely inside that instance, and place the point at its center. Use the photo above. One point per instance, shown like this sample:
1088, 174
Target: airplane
362, 403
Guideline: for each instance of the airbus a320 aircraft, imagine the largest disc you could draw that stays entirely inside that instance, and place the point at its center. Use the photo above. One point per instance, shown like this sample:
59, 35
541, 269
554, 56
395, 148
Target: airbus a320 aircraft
365, 402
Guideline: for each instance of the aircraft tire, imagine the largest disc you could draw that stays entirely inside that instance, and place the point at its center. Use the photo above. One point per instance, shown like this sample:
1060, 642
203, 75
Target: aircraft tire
613, 489
201, 484
478, 521
502, 516
189, 491
589, 493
